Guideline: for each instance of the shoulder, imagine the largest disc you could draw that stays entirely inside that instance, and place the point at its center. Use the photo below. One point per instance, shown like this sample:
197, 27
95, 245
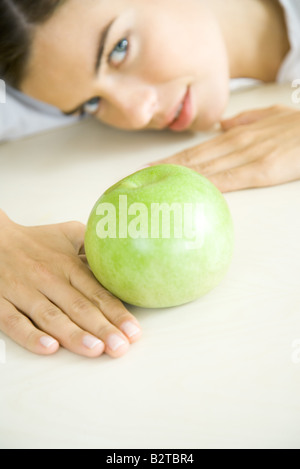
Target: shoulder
21, 115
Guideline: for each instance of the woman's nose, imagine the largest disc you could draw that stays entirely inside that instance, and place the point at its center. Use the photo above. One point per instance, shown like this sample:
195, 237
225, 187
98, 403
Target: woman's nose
131, 105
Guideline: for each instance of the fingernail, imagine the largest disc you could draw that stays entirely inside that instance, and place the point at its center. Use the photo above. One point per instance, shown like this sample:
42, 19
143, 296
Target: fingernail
114, 342
130, 328
91, 342
47, 342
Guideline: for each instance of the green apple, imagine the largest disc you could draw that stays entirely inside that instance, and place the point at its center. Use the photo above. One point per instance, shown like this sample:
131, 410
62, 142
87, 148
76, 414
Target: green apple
161, 237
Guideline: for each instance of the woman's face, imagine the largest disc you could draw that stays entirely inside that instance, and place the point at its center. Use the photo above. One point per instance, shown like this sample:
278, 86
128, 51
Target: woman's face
163, 63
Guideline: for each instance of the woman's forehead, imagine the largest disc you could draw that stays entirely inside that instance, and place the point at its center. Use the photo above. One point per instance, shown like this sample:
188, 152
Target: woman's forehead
63, 49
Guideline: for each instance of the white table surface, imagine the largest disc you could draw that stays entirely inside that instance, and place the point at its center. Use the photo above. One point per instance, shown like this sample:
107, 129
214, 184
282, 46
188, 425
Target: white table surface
222, 372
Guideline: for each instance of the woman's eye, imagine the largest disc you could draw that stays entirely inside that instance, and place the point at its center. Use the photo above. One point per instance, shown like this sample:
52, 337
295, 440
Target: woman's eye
91, 106
119, 53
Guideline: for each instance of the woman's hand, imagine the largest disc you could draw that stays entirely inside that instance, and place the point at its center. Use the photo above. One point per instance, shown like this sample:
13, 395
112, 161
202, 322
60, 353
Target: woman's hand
258, 149
49, 297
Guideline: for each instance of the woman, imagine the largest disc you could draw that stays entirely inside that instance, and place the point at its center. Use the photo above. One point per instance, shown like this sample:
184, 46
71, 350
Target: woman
137, 64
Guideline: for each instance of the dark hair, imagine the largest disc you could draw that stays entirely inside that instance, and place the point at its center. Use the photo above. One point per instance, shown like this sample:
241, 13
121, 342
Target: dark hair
18, 19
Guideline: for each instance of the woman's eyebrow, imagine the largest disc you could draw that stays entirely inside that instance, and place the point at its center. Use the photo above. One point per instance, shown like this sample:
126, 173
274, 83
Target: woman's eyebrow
100, 50
102, 42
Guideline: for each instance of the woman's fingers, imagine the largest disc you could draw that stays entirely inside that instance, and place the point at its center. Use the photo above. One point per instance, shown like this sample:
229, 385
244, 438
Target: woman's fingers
250, 117
228, 162
47, 317
236, 138
82, 279
86, 316
92, 308
239, 178
51, 319
259, 148
20, 329
88, 322
272, 167
68, 316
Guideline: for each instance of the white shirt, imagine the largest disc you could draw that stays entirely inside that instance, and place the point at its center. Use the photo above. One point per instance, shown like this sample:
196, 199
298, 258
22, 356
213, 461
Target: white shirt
290, 69
21, 116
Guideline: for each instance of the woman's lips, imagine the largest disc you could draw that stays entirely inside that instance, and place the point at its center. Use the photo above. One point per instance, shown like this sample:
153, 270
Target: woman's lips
185, 117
